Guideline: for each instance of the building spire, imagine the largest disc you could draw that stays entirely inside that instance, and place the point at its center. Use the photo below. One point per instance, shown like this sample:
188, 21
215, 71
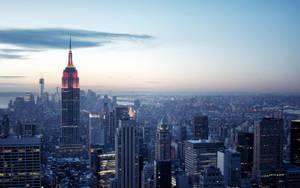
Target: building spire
70, 61
70, 42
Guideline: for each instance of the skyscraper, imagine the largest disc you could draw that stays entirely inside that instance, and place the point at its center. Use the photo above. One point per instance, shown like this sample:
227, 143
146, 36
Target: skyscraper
268, 143
20, 164
41, 82
244, 145
163, 141
4, 127
200, 154
126, 146
295, 142
70, 96
96, 130
162, 163
200, 127
229, 162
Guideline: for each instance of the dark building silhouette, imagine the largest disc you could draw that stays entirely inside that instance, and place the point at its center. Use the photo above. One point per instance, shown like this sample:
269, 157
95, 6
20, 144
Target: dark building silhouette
4, 127
70, 101
268, 143
244, 145
200, 127
162, 163
162, 174
295, 142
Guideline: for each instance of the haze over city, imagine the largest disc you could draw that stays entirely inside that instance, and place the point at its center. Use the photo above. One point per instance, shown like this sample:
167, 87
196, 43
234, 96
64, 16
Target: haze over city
195, 46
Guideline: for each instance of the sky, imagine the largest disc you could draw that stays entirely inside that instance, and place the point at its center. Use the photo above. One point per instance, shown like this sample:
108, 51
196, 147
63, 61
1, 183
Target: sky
163, 46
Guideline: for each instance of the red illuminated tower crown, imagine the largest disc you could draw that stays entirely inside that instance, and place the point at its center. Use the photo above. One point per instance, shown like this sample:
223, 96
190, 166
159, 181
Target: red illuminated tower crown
70, 76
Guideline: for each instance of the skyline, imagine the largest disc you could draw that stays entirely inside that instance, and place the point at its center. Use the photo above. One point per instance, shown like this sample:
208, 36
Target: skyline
153, 46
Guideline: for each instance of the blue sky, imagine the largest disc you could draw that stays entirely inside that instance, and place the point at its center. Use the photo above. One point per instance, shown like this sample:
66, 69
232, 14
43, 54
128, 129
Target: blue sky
205, 46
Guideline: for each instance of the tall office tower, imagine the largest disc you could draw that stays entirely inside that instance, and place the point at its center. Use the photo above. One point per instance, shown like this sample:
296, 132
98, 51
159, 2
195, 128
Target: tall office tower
162, 173
200, 154
107, 169
229, 163
162, 163
126, 147
211, 177
96, 130
70, 101
119, 113
20, 164
41, 82
163, 142
94, 152
200, 127
267, 164
147, 175
244, 145
4, 127
295, 142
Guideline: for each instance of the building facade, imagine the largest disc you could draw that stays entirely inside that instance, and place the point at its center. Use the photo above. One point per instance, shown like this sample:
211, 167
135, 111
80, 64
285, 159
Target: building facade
127, 161
295, 142
200, 127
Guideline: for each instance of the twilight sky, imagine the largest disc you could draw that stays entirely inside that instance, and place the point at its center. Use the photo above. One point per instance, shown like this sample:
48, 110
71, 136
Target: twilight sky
198, 46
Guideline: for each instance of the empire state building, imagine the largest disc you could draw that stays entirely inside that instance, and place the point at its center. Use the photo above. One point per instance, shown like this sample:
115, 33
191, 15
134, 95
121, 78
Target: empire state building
70, 97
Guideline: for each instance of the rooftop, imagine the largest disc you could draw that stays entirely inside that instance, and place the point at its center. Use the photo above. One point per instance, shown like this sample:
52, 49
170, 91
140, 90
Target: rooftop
14, 140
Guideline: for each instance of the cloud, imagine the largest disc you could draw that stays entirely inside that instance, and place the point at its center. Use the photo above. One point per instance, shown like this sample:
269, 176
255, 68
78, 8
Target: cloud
59, 37
152, 82
11, 56
12, 77
31, 40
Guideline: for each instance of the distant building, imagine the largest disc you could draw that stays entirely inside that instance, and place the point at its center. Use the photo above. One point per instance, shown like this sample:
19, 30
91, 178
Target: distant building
4, 127
42, 85
147, 175
20, 164
200, 154
244, 145
229, 163
200, 127
126, 147
268, 143
96, 130
163, 141
295, 143
211, 177
292, 175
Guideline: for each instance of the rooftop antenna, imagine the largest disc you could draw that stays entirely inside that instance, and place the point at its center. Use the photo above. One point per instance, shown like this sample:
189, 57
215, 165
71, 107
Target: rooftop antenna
70, 42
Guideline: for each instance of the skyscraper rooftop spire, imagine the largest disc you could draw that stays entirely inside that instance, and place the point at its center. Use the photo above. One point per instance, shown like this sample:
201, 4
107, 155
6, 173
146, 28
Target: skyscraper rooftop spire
70, 61
70, 42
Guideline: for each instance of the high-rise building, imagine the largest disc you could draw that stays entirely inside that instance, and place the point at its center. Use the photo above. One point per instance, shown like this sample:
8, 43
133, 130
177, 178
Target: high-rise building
268, 143
41, 82
163, 141
200, 154
162, 173
162, 163
96, 130
70, 101
244, 145
229, 163
295, 143
211, 177
127, 161
4, 127
20, 164
107, 169
200, 127
119, 113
